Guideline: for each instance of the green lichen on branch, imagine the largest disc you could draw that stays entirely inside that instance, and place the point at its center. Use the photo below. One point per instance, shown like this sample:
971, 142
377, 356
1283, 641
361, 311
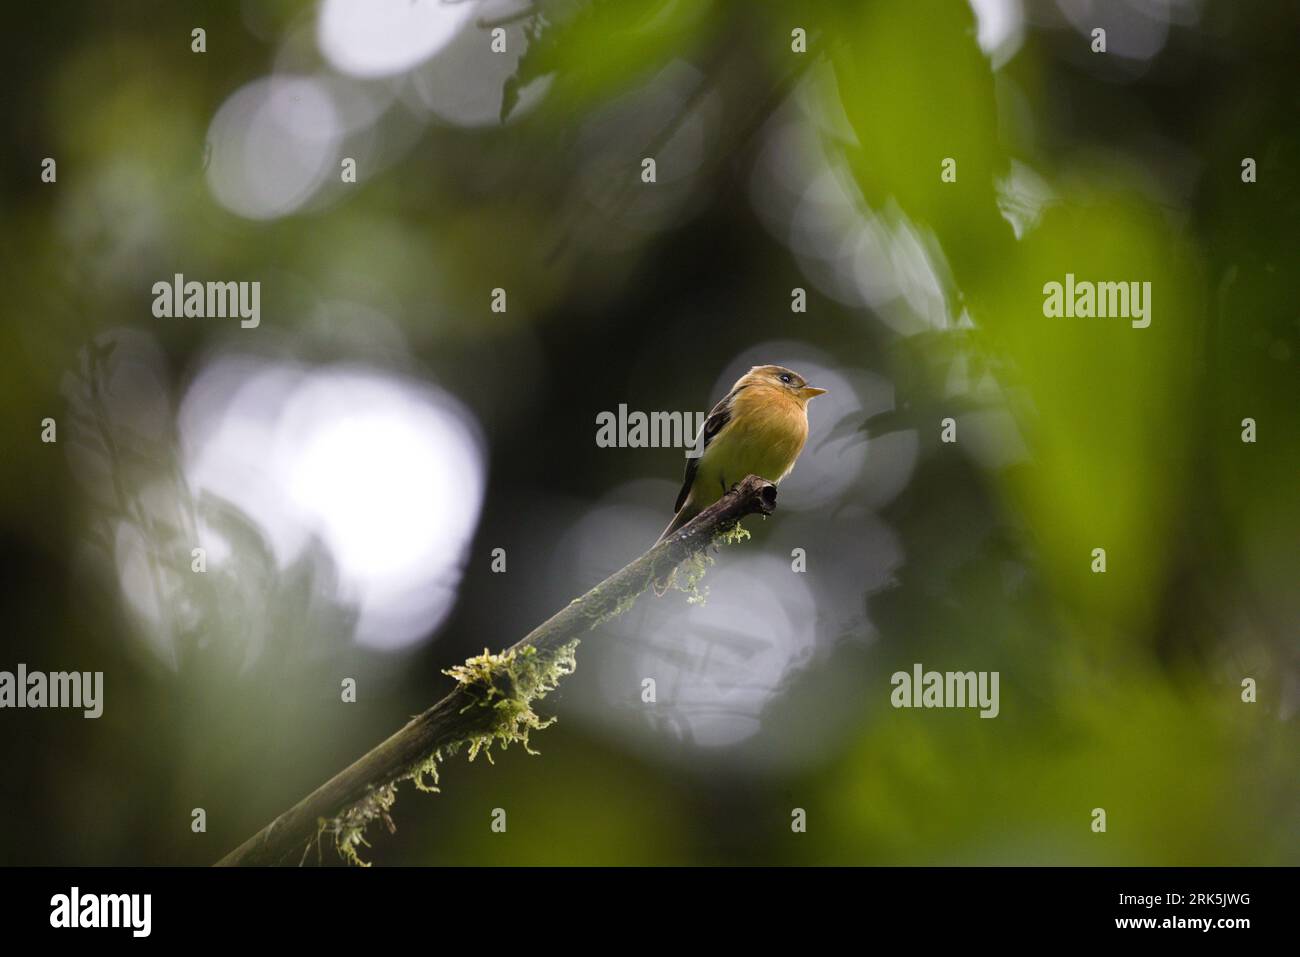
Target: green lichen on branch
349, 828
689, 574
731, 536
508, 683
622, 605
428, 768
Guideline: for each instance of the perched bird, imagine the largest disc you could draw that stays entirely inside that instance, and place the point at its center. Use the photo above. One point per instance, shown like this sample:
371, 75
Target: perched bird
759, 428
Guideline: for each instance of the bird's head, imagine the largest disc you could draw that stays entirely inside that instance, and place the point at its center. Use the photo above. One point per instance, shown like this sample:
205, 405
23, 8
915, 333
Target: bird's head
784, 379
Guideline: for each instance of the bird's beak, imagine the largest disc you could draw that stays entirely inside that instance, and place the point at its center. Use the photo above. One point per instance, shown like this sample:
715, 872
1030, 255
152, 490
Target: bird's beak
809, 392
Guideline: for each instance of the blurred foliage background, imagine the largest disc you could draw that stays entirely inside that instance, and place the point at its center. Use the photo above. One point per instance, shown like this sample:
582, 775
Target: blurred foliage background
352, 462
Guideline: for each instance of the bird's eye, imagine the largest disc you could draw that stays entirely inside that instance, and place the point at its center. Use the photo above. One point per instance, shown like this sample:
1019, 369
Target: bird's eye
785, 377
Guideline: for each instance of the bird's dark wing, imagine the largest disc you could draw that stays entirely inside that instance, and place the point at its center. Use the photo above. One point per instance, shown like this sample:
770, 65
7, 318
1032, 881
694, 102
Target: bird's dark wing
719, 417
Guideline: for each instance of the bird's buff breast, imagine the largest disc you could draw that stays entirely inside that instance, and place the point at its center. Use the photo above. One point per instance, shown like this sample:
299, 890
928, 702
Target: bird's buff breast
764, 437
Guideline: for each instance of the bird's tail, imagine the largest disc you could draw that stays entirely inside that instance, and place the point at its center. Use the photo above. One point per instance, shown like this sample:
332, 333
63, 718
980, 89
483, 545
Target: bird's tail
684, 515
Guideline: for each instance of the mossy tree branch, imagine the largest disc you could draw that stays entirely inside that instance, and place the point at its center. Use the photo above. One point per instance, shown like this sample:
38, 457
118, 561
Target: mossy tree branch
492, 699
